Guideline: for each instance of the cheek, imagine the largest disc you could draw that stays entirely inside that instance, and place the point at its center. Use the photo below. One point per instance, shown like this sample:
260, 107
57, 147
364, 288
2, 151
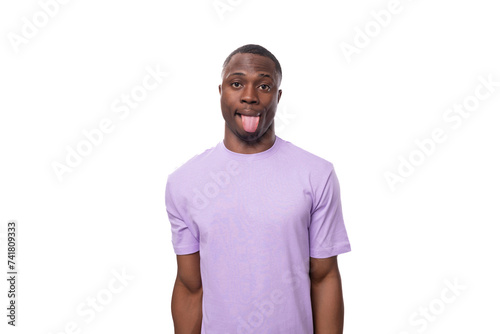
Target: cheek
272, 104
229, 100
227, 108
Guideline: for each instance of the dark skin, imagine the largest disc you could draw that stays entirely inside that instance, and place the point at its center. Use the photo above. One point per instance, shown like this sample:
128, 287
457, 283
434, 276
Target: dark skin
250, 85
327, 300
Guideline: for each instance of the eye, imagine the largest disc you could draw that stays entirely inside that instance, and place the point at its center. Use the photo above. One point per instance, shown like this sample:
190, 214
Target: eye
265, 87
236, 84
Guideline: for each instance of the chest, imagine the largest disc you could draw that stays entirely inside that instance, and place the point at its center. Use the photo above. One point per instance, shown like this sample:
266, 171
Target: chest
252, 207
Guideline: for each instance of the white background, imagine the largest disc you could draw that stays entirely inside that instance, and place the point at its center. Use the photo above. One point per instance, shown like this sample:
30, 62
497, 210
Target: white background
109, 214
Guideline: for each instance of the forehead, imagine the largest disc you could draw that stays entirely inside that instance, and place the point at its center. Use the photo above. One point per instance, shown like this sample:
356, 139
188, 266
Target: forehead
250, 63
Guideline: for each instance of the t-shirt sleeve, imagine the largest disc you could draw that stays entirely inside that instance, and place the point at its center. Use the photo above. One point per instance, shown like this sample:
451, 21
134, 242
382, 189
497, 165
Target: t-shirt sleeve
184, 240
327, 232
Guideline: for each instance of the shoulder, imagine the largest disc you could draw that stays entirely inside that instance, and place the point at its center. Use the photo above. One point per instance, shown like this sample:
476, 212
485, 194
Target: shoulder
305, 159
192, 167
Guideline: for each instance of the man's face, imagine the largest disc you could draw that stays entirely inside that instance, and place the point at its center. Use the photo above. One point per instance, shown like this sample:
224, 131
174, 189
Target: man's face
250, 87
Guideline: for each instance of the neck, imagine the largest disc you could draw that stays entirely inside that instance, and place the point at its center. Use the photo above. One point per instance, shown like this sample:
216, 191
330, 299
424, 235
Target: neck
250, 146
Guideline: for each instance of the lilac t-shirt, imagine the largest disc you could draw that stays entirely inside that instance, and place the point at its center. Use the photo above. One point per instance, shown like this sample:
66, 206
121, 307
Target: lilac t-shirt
256, 219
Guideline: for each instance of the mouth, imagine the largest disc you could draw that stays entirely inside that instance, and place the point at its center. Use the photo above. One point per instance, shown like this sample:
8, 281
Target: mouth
249, 121
249, 113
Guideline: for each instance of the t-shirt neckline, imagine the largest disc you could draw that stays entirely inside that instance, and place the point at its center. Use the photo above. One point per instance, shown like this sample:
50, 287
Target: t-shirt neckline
253, 156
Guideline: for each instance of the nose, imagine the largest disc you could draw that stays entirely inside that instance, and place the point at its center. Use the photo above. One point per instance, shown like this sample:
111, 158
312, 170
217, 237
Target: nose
249, 95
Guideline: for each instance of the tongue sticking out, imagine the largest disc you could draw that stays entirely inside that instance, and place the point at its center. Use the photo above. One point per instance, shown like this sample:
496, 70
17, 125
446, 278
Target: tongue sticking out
250, 123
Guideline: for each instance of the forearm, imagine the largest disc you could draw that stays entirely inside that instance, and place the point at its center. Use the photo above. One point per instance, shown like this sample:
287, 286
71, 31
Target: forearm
186, 309
327, 305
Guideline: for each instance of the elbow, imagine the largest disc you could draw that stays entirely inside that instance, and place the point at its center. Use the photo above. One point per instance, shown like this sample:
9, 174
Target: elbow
192, 286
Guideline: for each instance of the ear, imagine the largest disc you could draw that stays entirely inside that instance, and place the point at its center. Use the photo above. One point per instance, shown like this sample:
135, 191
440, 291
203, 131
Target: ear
220, 89
279, 95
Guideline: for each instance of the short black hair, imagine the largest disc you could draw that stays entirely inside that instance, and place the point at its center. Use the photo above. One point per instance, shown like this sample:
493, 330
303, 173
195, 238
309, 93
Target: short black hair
254, 49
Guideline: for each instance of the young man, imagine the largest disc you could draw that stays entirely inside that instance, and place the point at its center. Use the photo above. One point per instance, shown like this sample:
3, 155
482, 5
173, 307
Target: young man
256, 221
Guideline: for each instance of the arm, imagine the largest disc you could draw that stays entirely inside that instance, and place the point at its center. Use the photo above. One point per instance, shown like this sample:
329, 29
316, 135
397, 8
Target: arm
187, 295
326, 296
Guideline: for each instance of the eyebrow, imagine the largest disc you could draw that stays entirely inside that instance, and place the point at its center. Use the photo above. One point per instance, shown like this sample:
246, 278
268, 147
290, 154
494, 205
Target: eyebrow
243, 74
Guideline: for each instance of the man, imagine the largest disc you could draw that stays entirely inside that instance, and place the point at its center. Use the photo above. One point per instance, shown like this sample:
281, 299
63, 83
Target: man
256, 221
